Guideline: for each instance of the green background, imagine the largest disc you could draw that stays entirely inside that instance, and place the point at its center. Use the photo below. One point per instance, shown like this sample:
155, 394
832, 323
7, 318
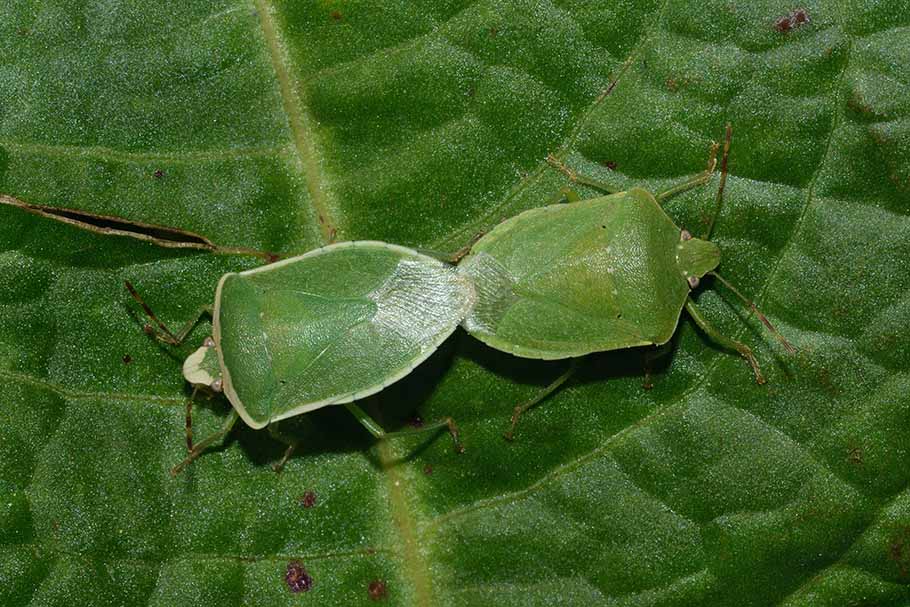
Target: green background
282, 125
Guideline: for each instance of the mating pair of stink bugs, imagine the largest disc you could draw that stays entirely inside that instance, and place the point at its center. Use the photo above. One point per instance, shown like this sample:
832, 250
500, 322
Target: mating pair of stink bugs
344, 321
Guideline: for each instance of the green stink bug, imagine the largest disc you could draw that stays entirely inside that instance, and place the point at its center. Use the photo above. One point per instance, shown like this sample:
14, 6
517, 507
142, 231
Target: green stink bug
607, 273
325, 328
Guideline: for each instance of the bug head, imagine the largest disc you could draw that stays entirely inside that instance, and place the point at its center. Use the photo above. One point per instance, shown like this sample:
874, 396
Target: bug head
201, 368
695, 257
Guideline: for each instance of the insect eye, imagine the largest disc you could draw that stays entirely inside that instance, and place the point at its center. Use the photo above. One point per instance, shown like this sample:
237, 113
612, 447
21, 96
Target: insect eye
208, 342
216, 385
693, 282
685, 235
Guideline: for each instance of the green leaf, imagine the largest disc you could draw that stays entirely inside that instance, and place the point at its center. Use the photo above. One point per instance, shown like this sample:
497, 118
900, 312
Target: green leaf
281, 125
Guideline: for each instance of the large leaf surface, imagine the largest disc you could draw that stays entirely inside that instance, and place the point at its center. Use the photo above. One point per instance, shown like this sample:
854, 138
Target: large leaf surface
282, 125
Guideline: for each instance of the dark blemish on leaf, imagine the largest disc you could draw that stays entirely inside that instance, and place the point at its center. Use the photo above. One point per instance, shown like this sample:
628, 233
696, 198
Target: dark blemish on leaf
855, 456
4, 164
321, 219
415, 421
297, 578
610, 164
840, 312
899, 550
795, 19
672, 85
827, 384
856, 103
332, 234
878, 136
127, 359
377, 590
307, 500
158, 173
428, 469
336, 15
493, 31
604, 227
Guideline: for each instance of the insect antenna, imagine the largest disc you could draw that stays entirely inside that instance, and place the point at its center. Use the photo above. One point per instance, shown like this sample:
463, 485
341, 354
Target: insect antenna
162, 333
719, 199
764, 319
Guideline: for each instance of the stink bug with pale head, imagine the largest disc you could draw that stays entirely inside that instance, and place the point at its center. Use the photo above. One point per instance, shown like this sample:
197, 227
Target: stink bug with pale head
329, 327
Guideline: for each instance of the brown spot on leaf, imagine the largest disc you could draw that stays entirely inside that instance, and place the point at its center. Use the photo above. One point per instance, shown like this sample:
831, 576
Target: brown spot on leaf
855, 456
415, 421
856, 103
493, 31
158, 173
795, 19
899, 550
782, 24
377, 590
336, 15
297, 578
827, 384
610, 164
800, 16
308, 499
127, 359
428, 469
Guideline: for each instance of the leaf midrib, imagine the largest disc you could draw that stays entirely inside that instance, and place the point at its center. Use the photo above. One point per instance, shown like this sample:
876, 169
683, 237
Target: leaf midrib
302, 135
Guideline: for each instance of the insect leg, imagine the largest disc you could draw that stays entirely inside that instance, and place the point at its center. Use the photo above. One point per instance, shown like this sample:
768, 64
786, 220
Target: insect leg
722, 340
700, 179
290, 442
206, 443
719, 198
161, 332
455, 257
185, 330
542, 394
189, 420
376, 430
650, 355
574, 177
